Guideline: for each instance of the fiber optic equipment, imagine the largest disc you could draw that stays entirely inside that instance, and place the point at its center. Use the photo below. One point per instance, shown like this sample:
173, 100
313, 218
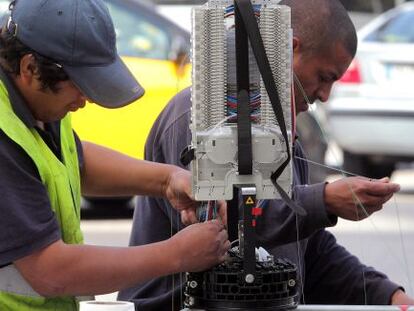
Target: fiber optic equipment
241, 145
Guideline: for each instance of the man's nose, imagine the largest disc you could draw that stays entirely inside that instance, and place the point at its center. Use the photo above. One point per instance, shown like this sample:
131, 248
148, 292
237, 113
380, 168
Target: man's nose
82, 99
324, 92
80, 95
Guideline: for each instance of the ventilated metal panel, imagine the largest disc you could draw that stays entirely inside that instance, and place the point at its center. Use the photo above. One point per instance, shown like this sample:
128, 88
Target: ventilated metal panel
214, 101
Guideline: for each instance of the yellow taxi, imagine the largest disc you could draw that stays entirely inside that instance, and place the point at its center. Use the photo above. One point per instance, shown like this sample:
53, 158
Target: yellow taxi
157, 52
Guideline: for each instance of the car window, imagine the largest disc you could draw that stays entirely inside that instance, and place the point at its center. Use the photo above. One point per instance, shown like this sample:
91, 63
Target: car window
4, 7
4, 11
399, 29
138, 36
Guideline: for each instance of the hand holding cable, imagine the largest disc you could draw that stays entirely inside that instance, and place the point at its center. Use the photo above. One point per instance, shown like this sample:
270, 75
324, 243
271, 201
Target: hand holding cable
356, 198
201, 246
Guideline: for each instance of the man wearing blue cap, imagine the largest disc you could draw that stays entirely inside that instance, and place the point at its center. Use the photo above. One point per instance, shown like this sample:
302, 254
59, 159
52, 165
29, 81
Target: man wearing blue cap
55, 55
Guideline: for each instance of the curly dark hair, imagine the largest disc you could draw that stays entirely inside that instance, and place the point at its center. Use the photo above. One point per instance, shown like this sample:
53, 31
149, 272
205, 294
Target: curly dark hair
48, 72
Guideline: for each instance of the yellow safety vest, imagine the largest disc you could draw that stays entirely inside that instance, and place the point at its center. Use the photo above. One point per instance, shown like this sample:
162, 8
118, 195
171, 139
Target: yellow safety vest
62, 181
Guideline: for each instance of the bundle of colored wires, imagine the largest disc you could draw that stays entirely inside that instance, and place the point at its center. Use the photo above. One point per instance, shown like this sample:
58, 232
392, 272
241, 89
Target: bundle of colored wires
231, 107
207, 211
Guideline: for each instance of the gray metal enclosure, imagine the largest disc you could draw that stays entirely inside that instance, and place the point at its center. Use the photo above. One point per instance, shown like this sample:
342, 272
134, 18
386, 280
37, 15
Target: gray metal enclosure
214, 135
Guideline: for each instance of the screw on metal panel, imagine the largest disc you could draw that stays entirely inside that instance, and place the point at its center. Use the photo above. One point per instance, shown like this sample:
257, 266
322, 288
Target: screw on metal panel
249, 278
193, 284
291, 282
191, 301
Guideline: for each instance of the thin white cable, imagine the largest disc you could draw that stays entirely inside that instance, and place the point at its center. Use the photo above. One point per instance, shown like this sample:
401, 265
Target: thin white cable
328, 167
356, 200
301, 270
403, 246
172, 212
207, 211
301, 89
219, 124
234, 242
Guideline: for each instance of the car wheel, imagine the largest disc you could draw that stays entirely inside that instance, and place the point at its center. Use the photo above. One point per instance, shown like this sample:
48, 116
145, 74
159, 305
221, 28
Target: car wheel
362, 165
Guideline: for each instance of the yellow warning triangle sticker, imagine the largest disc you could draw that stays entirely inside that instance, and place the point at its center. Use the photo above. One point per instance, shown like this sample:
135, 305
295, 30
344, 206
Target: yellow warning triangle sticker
249, 200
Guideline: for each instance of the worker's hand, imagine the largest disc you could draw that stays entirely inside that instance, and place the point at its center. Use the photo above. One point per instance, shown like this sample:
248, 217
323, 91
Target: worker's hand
401, 298
355, 198
178, 192
188, 217
200, 246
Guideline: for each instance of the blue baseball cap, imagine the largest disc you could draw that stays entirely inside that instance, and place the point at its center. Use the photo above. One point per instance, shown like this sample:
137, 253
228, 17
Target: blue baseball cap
79, 36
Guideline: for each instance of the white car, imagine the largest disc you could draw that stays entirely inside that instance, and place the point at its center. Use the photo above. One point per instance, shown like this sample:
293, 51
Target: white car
371, 111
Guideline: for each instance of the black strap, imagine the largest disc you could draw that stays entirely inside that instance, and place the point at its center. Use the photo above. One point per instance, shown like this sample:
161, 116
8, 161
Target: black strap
245, 8
244, 127
233, 215
187, 155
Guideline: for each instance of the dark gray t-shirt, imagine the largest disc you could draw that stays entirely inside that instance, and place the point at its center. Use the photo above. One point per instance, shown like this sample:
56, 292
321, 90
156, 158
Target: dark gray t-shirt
155, 220
27, 221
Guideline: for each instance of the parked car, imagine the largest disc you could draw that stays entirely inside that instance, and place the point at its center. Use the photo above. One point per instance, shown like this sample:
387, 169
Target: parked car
156, 51
178, 11
371, 111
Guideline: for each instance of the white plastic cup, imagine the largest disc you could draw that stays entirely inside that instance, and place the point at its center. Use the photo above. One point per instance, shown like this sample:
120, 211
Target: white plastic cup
94, 305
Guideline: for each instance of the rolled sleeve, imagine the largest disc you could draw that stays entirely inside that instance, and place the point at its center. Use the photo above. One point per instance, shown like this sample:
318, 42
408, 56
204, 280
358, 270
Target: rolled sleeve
311, 198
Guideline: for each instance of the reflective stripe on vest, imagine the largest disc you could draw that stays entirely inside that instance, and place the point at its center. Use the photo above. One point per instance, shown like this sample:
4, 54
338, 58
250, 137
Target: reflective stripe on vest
62, 182
11, 281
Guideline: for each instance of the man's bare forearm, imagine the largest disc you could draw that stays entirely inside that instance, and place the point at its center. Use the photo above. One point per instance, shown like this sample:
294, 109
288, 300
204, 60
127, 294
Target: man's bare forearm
61, 269
110, 173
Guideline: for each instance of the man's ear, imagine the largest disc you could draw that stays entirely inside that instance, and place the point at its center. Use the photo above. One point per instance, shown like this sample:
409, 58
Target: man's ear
296, 44
27, 68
